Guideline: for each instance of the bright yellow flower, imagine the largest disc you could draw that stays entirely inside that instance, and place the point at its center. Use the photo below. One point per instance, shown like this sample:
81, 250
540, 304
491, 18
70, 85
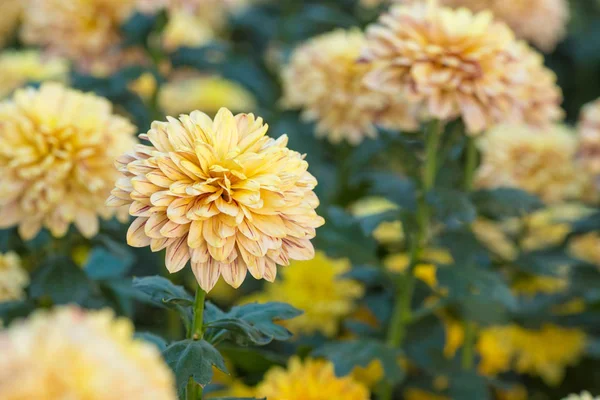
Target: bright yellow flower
309, 380
82, 30
13, 278
220, 193
420, 394
455, 335
73, 354
316, 288
370, 375
587, 248
496, 350
387, 232
532, 285
540, 162
583, 396
207, 94
19, 67
56, 153
325, 79
425, 271
459, 64
144, 86
10, 13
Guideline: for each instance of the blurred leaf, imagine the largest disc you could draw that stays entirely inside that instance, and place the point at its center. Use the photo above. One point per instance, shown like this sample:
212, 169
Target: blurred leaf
396, 188
451, 207
469, 386
10, 310
137, 28
505, 203
103, 264
589, 223
545, 262
252, 359
163, 293
156, 340
193, 358
361, 352
62, 280
464, 247
368, 275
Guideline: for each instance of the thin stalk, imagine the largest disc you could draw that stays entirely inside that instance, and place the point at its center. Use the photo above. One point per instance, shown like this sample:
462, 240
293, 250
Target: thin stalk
468, 352
194, 391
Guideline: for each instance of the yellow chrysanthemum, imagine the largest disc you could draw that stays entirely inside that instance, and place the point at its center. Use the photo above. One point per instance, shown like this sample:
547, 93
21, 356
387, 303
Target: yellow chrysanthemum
20, 67
207, 94
369, 375
387, 232
540, 162
316, 288
309, 380
589, 138
542, 22
455, 335
425, 271
325, 80
72, 354
13, 278
10, 13
532, 285
459, 64
220, 193
420, 394
56, 153
82, 30
544, 352
587, 248
583, 396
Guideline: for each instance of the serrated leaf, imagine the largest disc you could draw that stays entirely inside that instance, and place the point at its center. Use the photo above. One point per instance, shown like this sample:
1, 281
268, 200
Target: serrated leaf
505, 202
451, 207
193, 358
163, 293
361, 352
62, 280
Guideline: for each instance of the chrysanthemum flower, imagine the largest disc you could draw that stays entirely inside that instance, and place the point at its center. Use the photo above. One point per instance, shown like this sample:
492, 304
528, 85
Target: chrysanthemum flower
457, 64
317, 288
207, 94
220, 193
10, 13
583, 396
309, 380
56, 153
13, 278
80, 30
325, 80
72, 354
540, 162
19, 67
589, 138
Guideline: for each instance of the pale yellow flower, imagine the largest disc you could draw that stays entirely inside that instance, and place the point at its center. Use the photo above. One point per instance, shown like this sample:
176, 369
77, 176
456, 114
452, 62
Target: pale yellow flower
10, 13
13, 278
82, 30
20, 67
207, 94
589, 138
532, 285
309, 380
540, 162
317, 288
387, 232
457, 63
325, 79
69, 353
426, 269
494, 238
56, 153
144, 86
587, 248
369, 375
186, 30
494, 346
455, 335
583, 396
220, 193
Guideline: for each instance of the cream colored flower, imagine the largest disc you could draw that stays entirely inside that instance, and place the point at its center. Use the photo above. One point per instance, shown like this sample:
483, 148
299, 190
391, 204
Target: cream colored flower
10, 13
82, 30
69, 353
309, 380
56, 153
13, 278
583, 396
207, 94
458, 64
19, 67
220, 193
589, 139
540, 162
325, 79
317, 288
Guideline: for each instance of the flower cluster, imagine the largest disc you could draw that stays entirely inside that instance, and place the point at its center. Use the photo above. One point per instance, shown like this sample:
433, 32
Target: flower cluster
13, 278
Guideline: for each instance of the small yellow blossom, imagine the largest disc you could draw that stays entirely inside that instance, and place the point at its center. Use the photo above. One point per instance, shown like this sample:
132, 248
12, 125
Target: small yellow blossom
220, 193
20, 67
309, 380
80, 254
370, 375
56, 153
587, 248
315, 287
325, 79
540, 162
207, 94
69, 353
583, 396
387, 232
425, 271
13, 278
455, 335
532, 285
144, 86
495, 348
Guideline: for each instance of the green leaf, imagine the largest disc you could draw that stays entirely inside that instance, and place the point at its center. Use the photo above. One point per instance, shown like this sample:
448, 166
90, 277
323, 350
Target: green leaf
250, 323
193, 358
254, 360
62, 280
103, 264
545, 262
505, 202
451, 207
346, 355
156, 340
10, 310
469, 386
163, 293
396, 188
137, 29
589, 223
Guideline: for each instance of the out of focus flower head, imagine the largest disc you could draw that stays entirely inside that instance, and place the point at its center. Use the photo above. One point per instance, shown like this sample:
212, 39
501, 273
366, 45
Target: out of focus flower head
13, 278
582, 396
20, 67
459, 64
425, 270
540, 162
325, 79
71, 353
56, 152
586, 247
387, 232
309, 380
317, 288
10, 14
589, 139
220, 193
541, 22
87, 32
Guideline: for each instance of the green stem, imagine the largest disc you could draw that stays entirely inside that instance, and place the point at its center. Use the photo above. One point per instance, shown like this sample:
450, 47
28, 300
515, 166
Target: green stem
194, 391
468, 352
471, 163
